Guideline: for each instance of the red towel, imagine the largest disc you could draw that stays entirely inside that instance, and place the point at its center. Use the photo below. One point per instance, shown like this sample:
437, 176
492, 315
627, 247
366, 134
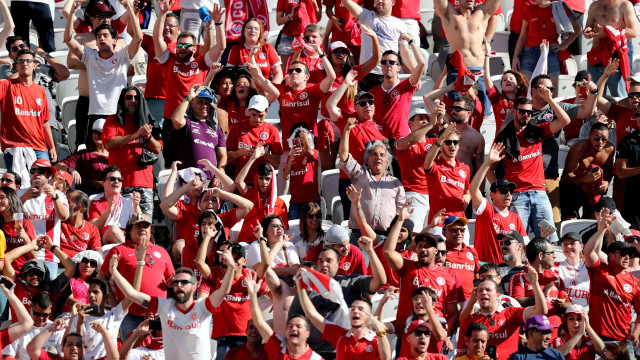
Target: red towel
465, 78
619, 39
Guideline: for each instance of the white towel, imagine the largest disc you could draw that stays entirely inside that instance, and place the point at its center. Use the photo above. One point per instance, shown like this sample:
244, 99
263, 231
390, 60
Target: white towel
562, 20
541, 66
23, 157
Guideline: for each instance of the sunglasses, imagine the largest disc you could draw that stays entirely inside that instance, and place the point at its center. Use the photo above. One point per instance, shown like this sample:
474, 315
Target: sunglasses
460, 230
506, 242
317, 215
129, 97
8, 181
451, 142
543, 332
297, 70
623, 253
505, 191
276, 226
632, 239
92, 263
600, 138
176, 283
633, 94
341, 52
183, 45
364, 103
419, 333
97, 132
115, 178
388, 62
33, 273
441, 252
524, 112
40, 171
19, 47
39, 314
102, 17
551, 88
144, 225
458, 108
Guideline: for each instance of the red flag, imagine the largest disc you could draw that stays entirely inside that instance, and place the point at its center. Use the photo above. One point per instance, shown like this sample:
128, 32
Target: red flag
619, 38
325, 286
465, 78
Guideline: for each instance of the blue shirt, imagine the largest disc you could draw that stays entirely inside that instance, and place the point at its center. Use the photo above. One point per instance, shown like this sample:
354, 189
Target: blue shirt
526, 354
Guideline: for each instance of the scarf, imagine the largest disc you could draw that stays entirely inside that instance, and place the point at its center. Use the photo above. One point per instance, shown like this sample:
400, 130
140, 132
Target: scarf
509, 137
116, 212
618, 39
238, 13
265, 208
465, 78
141, 117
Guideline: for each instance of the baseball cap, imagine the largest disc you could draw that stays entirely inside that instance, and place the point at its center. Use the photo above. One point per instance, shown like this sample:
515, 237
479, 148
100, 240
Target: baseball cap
418, 111
574, 309
138, 218
430, 239
45, 164
238, 249
634, 234
336, 235
538, 322
454, 219
205, 94
66, 176
338, 45
416, 324
259, 103
33, 264
511, 235
623, 247
581, 75
501, 184
634, 78
362, 94
100, 8
571, 235
98, 125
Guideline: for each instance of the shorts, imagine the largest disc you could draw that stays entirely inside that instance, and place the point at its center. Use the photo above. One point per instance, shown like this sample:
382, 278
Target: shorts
529, 60
284, 46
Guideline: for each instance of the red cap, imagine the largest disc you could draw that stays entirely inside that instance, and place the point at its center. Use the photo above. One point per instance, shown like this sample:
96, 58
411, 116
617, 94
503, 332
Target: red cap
416, 324
66, 176
634, 232
44, 163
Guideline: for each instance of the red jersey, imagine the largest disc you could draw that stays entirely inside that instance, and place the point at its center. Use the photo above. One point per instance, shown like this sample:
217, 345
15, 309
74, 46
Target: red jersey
625, 121
350, 34
298, 106
413, 177
503, 327
253, 218
241, 352
414, 275
234, 311
406, 9
237, 114
447, 185
527, 170
314, 64
612, 297
24, 110
393, 107
156, 72
346, 106
350, 264
583, 351
348, 347
266, 58
489, 223
465, 263
541, 25
126, 157
303, 180
74, 240
245, 135
180, 77
517, 16
501, 105
359, 136
276, 348
392, 276
306, 16
13, 241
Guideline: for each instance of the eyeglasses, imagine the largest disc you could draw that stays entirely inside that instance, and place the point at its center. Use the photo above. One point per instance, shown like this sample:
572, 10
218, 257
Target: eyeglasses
102, 17
505, 242
129, 97
632, 239
600, 138
8, 181
341, 52
458, 108
551, 88
115, 178
388, 62
176, 283
505, 191
183, 45
441, 252
276, 226
25, 61
622, 253
33, 273
170, 26
19, 47
92, 263
633, 94
459, 229
40, 171
297, 70
419, 333
317, 215
525, 112
364, 103
451, 142
39, 314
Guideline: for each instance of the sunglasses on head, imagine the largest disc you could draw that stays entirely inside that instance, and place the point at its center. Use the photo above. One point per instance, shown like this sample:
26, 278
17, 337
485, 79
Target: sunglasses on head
632, 239
450, 142
39, 314
40, 171
114, 178
388, 62
19, 47
317, 215
457, 108
298, 70
184, 45
92, 263
600, 138
524, 112
176, 283
364, 103
419, 333
633, 94
129, 97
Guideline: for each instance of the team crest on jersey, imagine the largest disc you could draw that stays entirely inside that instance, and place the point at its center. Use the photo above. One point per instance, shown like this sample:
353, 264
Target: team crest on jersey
320, 66
85, 236
244, 282
262, 56
194, 316
346, 266
264, 135
462, 173
627, 288
39, 101
469, 256
394, 94
114, 61
194, 65
574, 282
304, 95
512, 226
369, 348
548, 117
304, 161
246, 112
501, 322
49, 206
157, 254
440, 281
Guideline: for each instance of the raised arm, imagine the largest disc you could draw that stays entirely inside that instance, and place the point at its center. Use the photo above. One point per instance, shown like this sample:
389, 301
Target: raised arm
258, 319
366, 229
258, 152
8, 22
217, 296
562, 117
603, 104
74, 46
540, 307
333, 100
226, 181
488, 83
203, 251
263, 83
421, 64
10, 256
136, 31
168, 203
65, 260
431, 97
493, 157
221, 41
434, 150
34, 349
109, 345
417, 135
129, 292
394, 259
23, 322
379, 277
353, 8
593, 247
370, 64
310, 311
343, 149
178, 117
327, 82
159, 45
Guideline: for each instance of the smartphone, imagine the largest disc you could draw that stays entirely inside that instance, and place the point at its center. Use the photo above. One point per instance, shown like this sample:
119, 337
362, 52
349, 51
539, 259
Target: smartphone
584, 91
297, 142
595, 169
305, 38
36, 184
155, 324
92, 309
66, 315
491, 351
7, 283
545, 223
141, 5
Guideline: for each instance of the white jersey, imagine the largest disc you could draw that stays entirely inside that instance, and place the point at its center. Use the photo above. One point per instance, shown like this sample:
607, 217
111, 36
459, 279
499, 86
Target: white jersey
285, 257
388, 29
107, 78
42, 214
18, 348
575, 281
140, 352
186, 335
94, 346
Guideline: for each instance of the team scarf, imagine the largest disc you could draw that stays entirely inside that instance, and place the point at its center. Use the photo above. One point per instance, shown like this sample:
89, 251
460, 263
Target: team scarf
238, 13
619, 39
325, 286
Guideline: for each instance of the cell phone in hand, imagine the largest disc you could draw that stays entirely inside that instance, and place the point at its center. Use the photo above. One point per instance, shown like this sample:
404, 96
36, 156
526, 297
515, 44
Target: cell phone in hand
155, 324
491, 351
544, 223
297, 142
66, 315
584, 91
7, 283
92, 309
36, 184
595, 169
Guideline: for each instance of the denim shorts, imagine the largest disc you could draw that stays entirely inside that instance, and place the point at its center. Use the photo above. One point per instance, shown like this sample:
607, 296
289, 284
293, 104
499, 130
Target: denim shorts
284, 46
529, 59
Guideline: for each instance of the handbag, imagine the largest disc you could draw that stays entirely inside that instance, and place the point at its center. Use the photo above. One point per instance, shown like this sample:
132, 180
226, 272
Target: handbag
147, 157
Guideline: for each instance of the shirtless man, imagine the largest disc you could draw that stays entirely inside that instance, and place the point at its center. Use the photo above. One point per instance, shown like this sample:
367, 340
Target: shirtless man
620, 15
87, 39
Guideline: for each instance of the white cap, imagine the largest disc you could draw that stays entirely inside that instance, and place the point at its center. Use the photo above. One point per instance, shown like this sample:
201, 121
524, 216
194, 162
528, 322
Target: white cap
418, 111
258, 102
98, 124
634, 78
338, 45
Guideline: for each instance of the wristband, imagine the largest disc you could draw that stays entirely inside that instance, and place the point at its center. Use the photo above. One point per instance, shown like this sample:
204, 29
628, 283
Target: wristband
55, 198
410, 42
381, 333
262, 238
188, 98
53, 247
140, 263
321, 55
594, 92
436, 144
218, 24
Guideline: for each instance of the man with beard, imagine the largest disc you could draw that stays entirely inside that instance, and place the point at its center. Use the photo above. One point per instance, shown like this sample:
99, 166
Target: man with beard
351, 259
614, 291
354, 343
538, 331
587, 173
511, 246
77, 234
252, 349
106, 67
494, 219
461, 258
185, 321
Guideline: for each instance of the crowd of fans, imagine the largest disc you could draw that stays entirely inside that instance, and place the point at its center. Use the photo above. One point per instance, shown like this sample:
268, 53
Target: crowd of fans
83, 277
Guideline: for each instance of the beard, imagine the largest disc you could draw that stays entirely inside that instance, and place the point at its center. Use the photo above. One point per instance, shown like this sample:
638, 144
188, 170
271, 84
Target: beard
183, 299
507, 257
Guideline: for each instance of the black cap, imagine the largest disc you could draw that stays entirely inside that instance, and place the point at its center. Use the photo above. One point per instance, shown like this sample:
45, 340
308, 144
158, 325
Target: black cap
362, 94
571, 235
623, 247
238, 249
582, 75
431, 241
512, 235
502, 183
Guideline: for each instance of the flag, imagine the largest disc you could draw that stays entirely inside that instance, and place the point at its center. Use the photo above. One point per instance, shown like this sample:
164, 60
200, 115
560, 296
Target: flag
325, 286
619, 39
465, 78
